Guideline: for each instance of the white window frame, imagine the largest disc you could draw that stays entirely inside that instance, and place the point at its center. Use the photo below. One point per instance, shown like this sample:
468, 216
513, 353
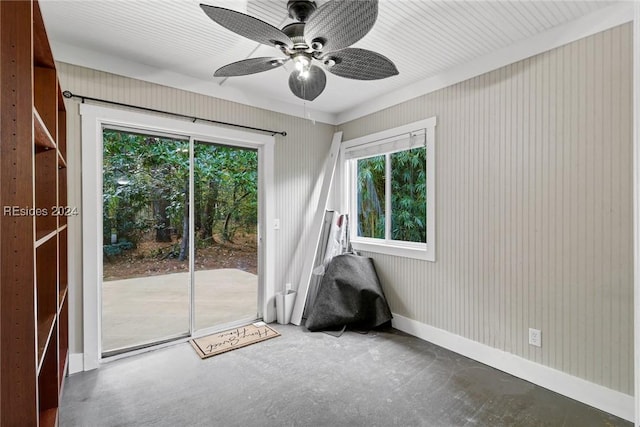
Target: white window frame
424, 251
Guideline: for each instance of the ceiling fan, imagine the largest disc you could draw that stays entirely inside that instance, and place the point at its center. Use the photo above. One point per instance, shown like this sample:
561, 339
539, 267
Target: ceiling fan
321, 34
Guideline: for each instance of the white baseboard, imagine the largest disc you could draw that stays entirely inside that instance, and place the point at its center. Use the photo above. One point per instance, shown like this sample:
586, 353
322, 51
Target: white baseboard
603, 398
76, 363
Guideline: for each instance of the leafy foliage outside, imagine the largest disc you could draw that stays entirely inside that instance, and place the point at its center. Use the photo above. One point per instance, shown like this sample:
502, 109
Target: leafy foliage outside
408, 196
226, 191
146, 194
144, 182
371, 200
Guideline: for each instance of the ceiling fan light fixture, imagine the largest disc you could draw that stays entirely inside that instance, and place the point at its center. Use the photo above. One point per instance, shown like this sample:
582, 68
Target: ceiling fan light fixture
322, 33
302, 63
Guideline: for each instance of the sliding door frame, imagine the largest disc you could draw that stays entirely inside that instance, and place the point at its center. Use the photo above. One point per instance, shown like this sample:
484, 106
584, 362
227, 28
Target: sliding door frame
94, 119
636, 206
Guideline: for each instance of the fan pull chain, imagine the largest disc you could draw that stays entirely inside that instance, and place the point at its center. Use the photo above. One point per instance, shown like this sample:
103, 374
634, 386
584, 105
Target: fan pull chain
304, 99
307, 114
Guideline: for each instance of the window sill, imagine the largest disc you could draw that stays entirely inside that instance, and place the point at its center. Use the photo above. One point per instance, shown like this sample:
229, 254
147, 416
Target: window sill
414, 251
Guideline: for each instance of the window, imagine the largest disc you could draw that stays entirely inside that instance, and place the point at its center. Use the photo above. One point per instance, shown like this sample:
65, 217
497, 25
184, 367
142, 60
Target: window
389, 190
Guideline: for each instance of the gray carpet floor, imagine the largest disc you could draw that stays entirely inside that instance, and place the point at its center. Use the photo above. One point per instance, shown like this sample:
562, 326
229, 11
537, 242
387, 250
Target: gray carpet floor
313, 379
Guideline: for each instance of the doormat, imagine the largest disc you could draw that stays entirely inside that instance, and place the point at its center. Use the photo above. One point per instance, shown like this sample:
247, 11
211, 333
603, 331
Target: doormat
232, 339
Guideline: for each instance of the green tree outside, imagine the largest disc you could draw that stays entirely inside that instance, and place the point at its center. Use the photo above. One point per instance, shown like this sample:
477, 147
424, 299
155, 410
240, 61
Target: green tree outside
408, 195
146, 191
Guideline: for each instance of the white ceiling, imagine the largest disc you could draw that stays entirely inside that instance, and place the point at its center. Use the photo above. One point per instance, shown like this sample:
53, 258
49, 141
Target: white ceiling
174, 43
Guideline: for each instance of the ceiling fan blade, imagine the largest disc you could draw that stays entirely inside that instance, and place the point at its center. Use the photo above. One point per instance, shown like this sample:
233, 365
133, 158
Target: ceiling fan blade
247, 26
360, 64
249, 66
339, 24
309, 88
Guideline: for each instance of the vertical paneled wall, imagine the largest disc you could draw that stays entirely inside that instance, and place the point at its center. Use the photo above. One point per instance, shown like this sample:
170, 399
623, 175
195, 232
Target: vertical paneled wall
297, 163
534, 209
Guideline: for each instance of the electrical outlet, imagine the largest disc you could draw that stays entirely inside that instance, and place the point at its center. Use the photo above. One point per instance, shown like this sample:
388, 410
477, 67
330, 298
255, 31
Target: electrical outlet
276, 224
535, 337
287, 287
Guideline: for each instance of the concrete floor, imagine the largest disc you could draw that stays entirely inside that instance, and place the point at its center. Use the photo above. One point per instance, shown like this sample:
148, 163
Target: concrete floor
313, 379
147, 309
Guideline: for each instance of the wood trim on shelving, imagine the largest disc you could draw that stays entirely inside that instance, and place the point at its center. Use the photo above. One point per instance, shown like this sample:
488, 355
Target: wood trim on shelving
61, 163
62, 295
63, 338
41, 241
63, 371
62, 125
18, 377
60, 99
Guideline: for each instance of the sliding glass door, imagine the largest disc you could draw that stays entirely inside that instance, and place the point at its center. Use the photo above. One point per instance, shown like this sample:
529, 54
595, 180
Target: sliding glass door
226, 225
169, 271
145, 288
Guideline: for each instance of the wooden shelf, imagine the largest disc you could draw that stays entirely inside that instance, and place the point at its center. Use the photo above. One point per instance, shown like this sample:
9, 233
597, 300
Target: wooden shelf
62, 295
45, 331
61, 163
35, 302
41, 240
42, 137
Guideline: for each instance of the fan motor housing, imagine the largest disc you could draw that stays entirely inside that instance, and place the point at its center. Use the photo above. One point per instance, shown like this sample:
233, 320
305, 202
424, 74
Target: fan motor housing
295, 32
300, 10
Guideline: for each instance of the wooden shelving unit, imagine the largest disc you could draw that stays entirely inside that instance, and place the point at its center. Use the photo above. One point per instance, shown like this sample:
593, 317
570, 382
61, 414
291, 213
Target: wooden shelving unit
34, 310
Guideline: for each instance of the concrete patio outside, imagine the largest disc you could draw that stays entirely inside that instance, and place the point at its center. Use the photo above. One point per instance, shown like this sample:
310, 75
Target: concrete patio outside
146, 309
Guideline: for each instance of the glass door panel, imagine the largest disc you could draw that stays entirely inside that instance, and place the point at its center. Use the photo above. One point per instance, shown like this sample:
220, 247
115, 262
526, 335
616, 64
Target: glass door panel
146, 278
225, 226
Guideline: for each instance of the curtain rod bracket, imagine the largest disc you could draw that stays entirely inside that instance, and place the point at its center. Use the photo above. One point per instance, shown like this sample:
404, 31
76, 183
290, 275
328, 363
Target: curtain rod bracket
67, 94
